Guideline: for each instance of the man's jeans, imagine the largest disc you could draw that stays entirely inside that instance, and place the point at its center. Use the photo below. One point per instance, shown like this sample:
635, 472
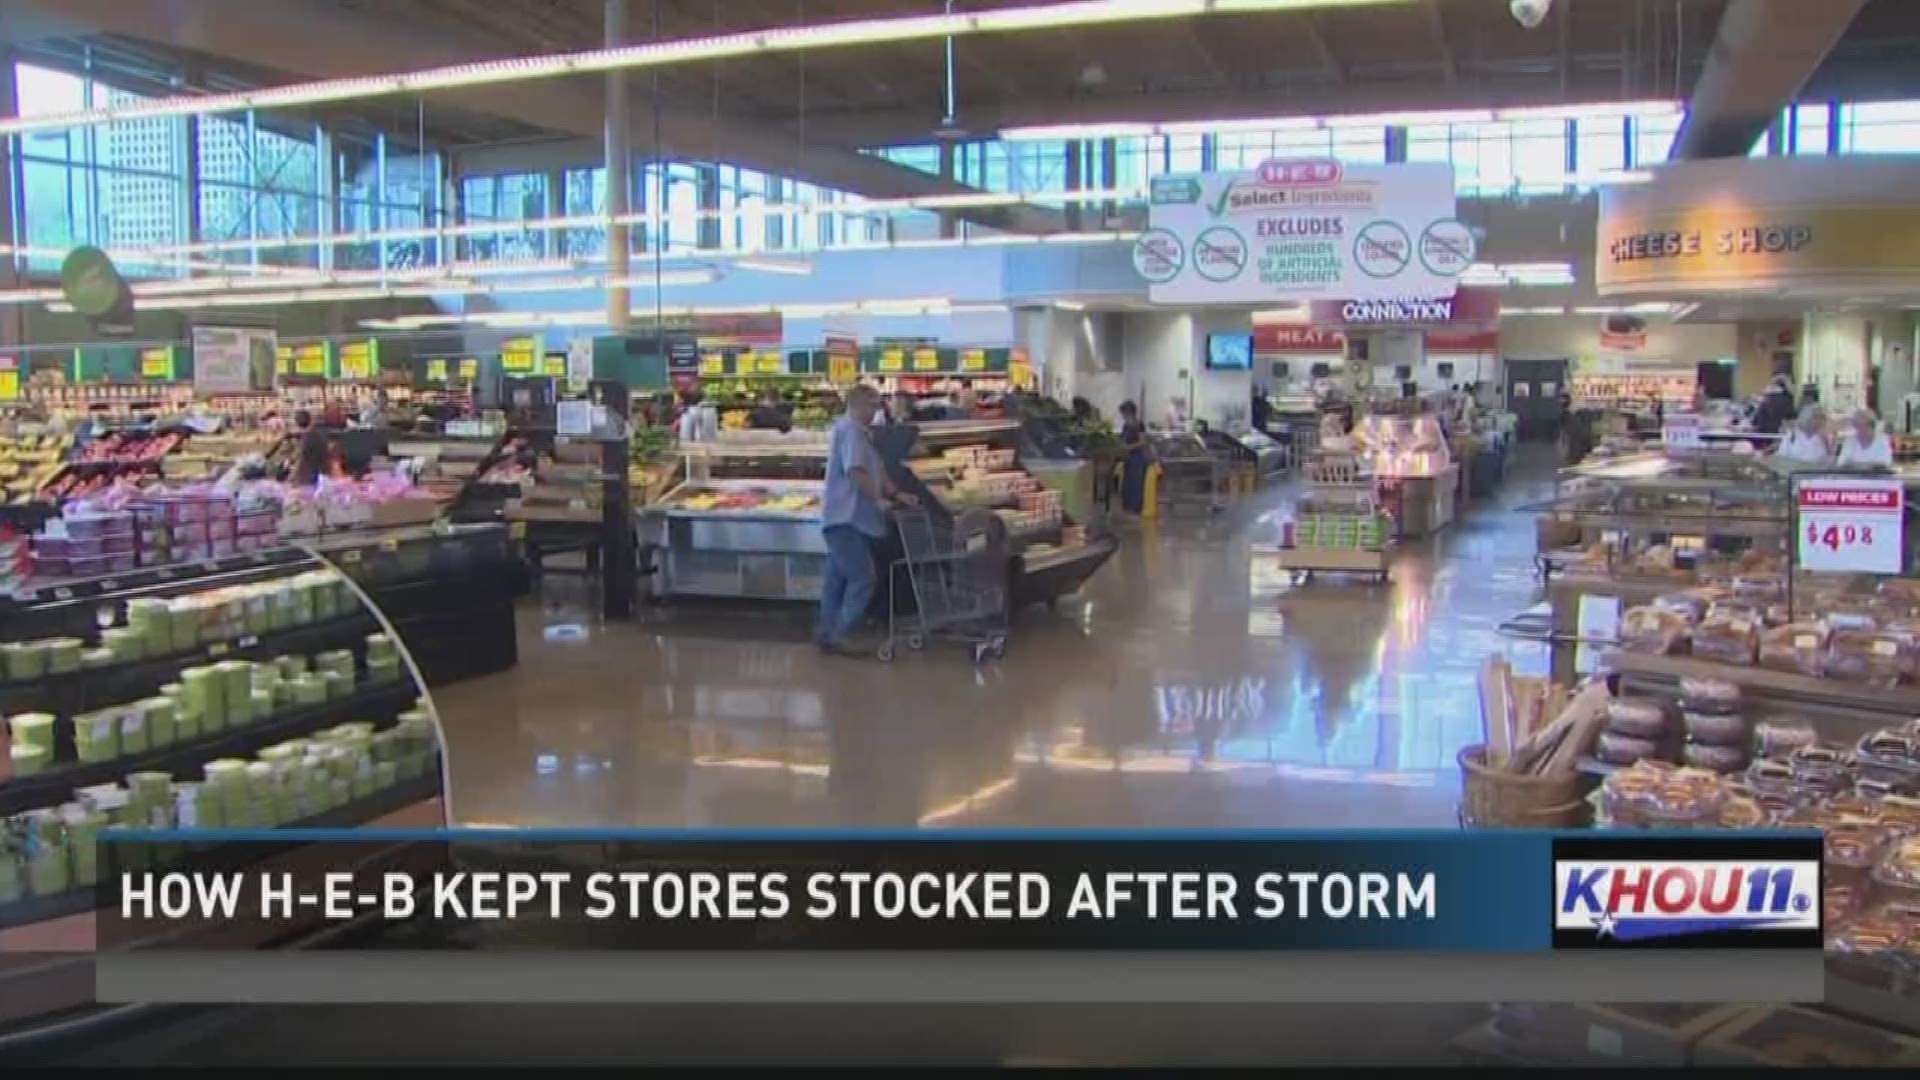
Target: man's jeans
848, 587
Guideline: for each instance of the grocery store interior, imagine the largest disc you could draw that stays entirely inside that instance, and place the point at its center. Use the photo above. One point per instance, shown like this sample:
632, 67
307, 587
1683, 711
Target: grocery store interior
1299, 414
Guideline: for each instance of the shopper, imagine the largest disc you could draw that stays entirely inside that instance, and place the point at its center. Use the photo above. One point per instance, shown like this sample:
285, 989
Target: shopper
1866, 446
1262, 410
373, 411
314, 457
699, 421
1133, 475
1776, 408
852, 520
769, 416
1806, 442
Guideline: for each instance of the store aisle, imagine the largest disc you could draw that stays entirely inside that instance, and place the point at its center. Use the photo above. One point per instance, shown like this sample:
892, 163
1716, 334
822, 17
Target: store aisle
1188, 686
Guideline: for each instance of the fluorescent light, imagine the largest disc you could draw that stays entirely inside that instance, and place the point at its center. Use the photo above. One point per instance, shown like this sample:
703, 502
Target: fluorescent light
1074, 131
665, 53
1408, 119
1599, 309
796, 267
1203, 127
1506, 311
1069, 305
1598, 110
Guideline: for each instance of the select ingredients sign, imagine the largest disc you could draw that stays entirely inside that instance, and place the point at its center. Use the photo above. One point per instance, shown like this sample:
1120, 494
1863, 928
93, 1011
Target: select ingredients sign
1299, 230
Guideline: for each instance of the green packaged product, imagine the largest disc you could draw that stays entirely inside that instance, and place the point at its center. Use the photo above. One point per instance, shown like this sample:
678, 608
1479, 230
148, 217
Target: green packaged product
223, 771
339, 793
259, 614
266, 675
13, 884
350, 731
186, 722
25, 659
309, 690
236, 689
385, 773
29, 760
263, 704
183, 618
149, 617
133, 731
334, 660
162, 716
205, 692
382, 672
286, 806
279, 752
48, 873
33, 729
150, 784
380, 646
98, 658
83, 828
292, 666
197, 806
388, 745
363, 783
96, 736
280, 607
413, 766
339, 684
261, 777
124, 642
131, 857
302, 603
63, 655
326, 600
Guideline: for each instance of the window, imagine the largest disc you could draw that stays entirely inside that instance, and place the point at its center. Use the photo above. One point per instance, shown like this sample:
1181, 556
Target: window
1880, 127
584, 192
507, 198
1653, 138
1600, 144
1810, 127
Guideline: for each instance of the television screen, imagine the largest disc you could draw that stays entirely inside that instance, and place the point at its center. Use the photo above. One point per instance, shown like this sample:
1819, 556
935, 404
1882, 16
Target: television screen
1402, 373
1230, 352
1322, 371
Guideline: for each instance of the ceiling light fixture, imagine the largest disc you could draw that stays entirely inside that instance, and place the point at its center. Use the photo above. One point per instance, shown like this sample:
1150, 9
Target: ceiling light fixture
794, 267
1597, 110
662, 54
1069, 305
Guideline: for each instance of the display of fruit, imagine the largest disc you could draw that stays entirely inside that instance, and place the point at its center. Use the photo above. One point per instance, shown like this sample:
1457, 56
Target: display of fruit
122, 446
763, 499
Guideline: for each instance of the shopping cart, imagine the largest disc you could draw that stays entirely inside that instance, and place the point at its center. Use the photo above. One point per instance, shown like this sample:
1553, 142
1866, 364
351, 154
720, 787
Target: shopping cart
958, 575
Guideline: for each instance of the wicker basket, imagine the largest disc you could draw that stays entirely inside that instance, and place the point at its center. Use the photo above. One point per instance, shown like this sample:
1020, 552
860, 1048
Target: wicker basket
1494, 799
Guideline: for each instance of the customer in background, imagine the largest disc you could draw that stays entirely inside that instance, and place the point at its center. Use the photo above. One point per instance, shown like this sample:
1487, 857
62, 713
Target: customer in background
1777, 407
1133, 471
1806, 441
699, 420
1262, 410
314, 457
373, 411
769, 415
1865, 445
852, 519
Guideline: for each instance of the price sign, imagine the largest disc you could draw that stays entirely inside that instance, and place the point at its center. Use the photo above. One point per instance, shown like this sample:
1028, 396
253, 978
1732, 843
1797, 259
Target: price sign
893, 360
555, 365
470, 368
973, 359
311, 359
436, 371
1682, 432
743, 363
9, 378
713, 365
1851, 524
926, 359
157, 363
843, 370
283, 359
770, 363
359, 359
520, 355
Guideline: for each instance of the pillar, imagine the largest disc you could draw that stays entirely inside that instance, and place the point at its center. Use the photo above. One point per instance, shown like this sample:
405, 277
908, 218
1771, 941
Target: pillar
13, 330
707, 191
1073, 183
619, 154
948, 229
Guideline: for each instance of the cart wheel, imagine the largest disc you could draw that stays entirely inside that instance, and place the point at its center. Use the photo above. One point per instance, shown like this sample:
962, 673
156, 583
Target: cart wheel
981, 650
998, 647
885, 653
916, 642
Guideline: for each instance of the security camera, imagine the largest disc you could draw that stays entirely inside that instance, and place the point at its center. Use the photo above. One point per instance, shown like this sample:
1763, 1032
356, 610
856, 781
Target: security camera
1529, 13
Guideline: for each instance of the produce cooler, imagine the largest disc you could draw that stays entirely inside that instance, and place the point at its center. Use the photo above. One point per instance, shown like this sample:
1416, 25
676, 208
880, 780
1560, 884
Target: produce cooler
740, 538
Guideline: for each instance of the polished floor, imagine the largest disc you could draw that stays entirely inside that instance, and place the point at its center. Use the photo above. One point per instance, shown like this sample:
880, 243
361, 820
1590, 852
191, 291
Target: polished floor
1190, 684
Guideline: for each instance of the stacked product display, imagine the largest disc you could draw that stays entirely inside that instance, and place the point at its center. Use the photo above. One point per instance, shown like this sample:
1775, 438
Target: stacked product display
1337, 526
1415, 478
29, 464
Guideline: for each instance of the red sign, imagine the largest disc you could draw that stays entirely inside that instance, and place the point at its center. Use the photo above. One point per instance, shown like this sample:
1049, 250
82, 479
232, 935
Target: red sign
1449, 340
1287, 173
1467, 305
1298, 338
1851, 525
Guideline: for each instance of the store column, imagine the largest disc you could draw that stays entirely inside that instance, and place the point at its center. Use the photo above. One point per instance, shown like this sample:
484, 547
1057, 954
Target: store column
13, 331
619, 153
947, 221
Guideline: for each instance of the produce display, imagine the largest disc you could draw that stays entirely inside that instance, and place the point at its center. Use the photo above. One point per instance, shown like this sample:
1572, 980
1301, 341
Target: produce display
126, 447
28, 464
1360, 531
756, 500
124, 526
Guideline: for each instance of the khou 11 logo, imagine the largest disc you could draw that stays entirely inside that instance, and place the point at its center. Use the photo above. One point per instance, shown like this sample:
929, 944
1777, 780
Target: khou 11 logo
1644, 899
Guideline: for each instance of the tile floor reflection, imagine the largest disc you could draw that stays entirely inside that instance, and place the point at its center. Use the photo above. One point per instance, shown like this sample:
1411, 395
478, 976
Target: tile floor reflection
1189, 685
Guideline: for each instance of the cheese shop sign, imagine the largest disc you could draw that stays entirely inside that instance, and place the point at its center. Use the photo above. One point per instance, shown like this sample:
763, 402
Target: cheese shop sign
1767, 239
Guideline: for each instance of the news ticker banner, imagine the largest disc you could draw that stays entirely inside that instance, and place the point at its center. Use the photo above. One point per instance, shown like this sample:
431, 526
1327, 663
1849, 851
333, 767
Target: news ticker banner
1563, 908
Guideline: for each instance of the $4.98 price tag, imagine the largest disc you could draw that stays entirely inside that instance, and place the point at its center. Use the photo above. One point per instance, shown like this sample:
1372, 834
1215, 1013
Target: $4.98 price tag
1851, 524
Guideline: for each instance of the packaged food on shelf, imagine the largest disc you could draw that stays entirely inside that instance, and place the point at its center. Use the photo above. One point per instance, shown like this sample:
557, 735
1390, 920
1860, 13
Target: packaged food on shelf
1718, 729
1778, 736
1726, 637
1651, 630
1866, 655
1615, 748
1717, 758
1897, 875
1704, 694
1799, 648
1641, 718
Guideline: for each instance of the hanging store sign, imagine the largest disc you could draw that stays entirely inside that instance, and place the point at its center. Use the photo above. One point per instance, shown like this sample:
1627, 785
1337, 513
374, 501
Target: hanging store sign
554, 365
1623, 333
770, 363
1831, 225
156, 364
1293, 230
234, 360
926, 359
973, 359
437, 371
843, 359
893, 360
9, 378
1020, 370
470, 368
520, 356
358, 359
1294, 339
1851, 524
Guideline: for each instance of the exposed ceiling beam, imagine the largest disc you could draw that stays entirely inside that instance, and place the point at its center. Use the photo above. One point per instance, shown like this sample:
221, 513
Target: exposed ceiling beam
321, 38
1317, 37
1762, 55
1437, 29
